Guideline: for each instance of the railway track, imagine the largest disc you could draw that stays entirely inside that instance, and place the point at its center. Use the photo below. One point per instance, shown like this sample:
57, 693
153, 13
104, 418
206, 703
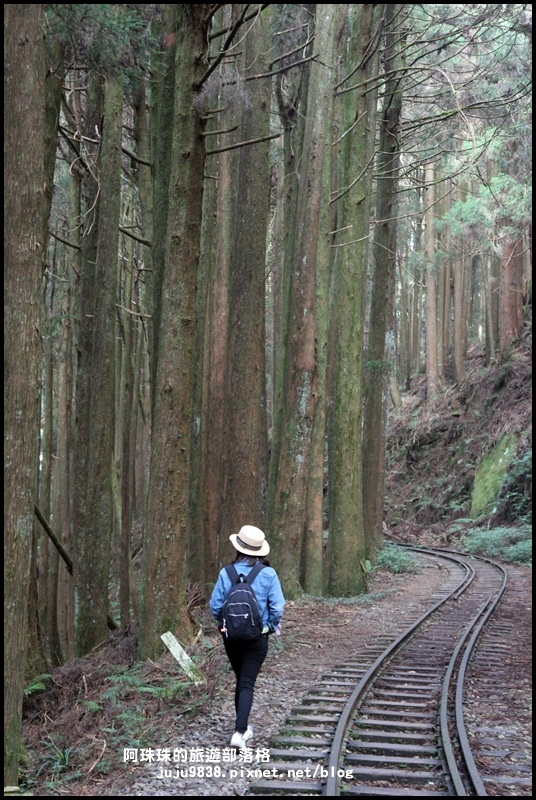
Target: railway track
391, 721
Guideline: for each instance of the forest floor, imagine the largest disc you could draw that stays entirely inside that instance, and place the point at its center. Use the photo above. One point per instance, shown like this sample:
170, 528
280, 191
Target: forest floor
77, 732
76, 729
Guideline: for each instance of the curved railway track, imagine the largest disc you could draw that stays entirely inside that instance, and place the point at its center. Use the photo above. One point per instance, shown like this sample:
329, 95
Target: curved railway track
391, 721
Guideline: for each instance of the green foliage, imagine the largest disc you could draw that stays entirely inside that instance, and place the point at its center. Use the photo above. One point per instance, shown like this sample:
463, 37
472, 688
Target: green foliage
505, 201
510, 199
113, 38
132, 681
460, 526
92, 706
396, 559
468, 217
37, 684
380, 367
58, 760
516, 496
513, 545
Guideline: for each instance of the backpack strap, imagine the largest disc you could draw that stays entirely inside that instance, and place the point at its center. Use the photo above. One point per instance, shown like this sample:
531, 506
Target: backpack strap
232, 573
254, 572
235, 577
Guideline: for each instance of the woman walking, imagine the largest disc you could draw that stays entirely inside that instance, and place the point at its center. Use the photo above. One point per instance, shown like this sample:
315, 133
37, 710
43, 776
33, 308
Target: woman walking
246, 657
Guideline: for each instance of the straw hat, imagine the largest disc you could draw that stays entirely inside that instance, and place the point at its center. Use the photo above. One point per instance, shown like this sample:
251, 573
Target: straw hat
250, 541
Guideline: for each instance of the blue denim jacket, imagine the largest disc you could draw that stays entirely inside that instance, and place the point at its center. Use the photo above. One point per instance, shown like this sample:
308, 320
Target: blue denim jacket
267, 589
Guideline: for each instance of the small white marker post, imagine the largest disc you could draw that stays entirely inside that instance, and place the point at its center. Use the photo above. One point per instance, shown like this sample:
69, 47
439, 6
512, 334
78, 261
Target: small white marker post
178, 652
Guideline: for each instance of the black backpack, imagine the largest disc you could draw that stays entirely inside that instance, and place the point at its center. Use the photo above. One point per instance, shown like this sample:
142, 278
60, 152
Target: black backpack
241, 614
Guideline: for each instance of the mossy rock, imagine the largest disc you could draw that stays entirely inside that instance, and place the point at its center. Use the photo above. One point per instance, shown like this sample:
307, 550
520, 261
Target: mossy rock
490, 477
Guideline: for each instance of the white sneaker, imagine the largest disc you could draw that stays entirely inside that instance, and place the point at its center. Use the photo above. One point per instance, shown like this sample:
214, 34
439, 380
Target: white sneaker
239, 740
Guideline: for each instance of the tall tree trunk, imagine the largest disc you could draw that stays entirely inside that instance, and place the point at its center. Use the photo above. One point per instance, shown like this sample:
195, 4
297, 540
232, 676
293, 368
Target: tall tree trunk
461, 275
297, 511
417, 299
459, 316
527, 268
404, 317
291, 91
24, 180
141, 414
165, 548
383, 280
313, 566
490, 341
510, 292
459, 321
163, 109
91, 574
245, 457
84, 314
208, 433
62, 492
495, 281
218, 337
125, 456
53, 88
48, 554
432, 372
443, 292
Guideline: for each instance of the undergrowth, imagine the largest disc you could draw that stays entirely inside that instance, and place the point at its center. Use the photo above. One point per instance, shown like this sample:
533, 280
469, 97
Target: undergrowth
510, 544
103, 708
396, 559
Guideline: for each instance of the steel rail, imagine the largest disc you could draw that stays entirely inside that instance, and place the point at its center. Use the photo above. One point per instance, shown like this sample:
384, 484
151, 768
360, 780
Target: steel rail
332, 786
477, 785
331, 719
474, 628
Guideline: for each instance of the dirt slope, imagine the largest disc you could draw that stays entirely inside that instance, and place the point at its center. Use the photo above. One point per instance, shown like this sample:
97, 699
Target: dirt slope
436, 448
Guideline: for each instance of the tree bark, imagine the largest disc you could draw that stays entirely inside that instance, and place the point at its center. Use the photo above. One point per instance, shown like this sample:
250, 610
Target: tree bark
510, 293
298, 500
62, 490
383, 280
291, 93
432, 372
84, 314
92, 574
218, 337
211, 342
246, 448
24, 181
460, 320
165, 555
163, 109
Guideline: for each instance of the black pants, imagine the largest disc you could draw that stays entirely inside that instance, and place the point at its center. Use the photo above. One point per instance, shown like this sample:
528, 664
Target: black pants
246, 659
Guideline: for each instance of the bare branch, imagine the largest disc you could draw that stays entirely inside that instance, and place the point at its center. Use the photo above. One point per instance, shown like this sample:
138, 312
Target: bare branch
134, 313
64, 241
243, 144
136, 238
295, 50
131, 154
232, 32
281, 69
222, 130
247, 17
